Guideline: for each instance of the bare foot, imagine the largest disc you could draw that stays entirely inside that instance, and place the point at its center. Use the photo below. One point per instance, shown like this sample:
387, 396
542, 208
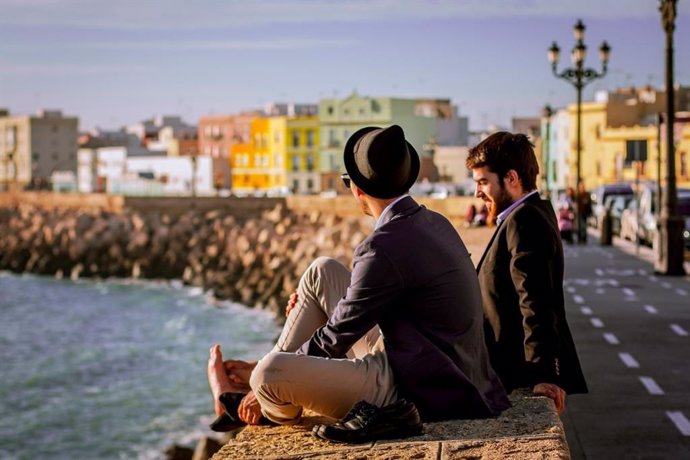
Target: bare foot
218, 378
239, 372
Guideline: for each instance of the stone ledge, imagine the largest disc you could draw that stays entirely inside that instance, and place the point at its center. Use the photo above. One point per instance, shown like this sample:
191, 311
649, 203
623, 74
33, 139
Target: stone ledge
530, 429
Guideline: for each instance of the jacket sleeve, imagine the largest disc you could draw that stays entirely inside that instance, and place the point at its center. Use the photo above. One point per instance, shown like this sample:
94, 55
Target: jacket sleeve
532, 269
375, 287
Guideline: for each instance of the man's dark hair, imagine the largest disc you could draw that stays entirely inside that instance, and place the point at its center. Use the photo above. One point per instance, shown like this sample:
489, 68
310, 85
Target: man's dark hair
503, 151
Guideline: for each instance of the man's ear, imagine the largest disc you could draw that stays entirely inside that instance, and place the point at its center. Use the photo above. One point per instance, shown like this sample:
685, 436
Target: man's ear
358, 191
512, 178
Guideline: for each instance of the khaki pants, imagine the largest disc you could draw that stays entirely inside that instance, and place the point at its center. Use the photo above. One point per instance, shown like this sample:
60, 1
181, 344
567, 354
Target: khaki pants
285, 382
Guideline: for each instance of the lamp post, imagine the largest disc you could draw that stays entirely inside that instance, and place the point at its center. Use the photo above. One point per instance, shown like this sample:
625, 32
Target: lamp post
670, 252
548, 112
579, 77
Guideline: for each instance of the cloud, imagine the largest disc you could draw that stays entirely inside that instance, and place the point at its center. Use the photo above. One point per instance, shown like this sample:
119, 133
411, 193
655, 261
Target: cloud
69, 69
271, 44
182, 14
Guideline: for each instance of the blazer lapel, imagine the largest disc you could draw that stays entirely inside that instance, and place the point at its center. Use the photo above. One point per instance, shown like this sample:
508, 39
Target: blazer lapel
488, 246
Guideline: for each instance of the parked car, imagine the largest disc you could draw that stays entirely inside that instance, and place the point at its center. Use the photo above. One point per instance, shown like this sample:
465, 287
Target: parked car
643, 224
599, 196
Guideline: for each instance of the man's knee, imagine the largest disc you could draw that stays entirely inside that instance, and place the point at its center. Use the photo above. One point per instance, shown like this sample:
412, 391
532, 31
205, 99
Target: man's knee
269, 370
316, 277
323, 265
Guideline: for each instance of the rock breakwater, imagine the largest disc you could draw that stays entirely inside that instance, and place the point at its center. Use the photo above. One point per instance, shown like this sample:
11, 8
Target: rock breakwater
256, 261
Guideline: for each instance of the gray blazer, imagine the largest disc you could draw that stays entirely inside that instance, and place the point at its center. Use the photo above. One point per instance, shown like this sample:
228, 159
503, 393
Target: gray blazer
414, 278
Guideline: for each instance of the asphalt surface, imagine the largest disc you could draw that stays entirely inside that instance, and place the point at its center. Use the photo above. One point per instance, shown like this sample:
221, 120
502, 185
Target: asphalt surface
632, 331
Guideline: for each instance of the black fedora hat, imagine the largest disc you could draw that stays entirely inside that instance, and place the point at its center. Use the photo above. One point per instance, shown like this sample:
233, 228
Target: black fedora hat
381, 162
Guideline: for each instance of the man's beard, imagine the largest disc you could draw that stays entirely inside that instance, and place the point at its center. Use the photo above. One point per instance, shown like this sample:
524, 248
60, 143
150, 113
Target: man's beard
500, 204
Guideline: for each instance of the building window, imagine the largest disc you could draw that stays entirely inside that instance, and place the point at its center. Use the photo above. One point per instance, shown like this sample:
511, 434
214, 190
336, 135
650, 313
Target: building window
279, 160
310, 185
310, 162
310, 138
332, 141
295, 162
295, 138
331, 161
329, 109
295, 185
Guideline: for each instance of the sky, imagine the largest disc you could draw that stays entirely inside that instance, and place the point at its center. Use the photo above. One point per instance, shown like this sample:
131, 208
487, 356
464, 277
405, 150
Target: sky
118, 62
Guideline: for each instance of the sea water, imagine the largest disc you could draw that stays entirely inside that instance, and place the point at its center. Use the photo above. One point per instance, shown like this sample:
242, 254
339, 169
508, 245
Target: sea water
112, 369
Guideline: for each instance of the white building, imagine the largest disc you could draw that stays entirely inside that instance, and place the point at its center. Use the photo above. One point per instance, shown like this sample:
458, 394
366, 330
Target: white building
110, 170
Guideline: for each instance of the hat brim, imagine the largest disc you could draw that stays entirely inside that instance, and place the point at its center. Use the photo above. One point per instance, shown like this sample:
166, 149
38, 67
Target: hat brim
367, 186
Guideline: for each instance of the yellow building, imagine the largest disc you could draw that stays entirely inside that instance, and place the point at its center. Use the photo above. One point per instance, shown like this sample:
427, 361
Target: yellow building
281, 157
621, 120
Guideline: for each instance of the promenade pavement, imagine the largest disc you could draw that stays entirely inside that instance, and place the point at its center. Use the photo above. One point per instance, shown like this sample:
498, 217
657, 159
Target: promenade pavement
631, 330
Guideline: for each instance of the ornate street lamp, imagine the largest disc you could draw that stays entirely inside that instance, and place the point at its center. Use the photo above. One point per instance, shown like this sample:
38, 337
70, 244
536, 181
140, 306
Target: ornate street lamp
547, 113
670, 251
579, 77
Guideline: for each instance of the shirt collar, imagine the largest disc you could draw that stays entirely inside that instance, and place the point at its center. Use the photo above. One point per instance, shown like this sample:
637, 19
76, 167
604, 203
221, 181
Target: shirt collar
381, 218
503, 215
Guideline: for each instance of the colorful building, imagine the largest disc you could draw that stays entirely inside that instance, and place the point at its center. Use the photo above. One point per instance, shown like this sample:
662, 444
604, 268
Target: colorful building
427, 122
618, 124
217, 134
281, 158
615, 126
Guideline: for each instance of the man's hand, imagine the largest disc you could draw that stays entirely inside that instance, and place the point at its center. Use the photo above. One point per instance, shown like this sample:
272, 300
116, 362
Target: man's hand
249, 410
291, 304
238, 372
551, 391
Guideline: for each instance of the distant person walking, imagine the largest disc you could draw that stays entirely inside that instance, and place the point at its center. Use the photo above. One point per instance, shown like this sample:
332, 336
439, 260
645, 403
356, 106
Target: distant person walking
521, 274
584, 211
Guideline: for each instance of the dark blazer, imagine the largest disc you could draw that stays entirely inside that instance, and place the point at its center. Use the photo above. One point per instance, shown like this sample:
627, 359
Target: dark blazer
521, 278
414, 278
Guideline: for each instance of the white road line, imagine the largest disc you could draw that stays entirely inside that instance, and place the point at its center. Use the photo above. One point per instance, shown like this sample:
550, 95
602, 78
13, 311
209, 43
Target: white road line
628, 360
680, 421
586, 310
614, 283
679, 330
628, 292
666, 285
651, 386
653, 278
641, 272
578, 299
600, 290
570, 289
681, 292
611, 338
599, 272
651, 309
596, 322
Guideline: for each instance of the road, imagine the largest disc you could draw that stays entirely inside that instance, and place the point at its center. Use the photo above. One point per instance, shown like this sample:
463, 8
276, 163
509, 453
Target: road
631, 329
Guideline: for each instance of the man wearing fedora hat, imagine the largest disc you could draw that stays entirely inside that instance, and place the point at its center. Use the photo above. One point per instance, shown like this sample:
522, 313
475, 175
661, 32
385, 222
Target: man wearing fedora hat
398, 338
